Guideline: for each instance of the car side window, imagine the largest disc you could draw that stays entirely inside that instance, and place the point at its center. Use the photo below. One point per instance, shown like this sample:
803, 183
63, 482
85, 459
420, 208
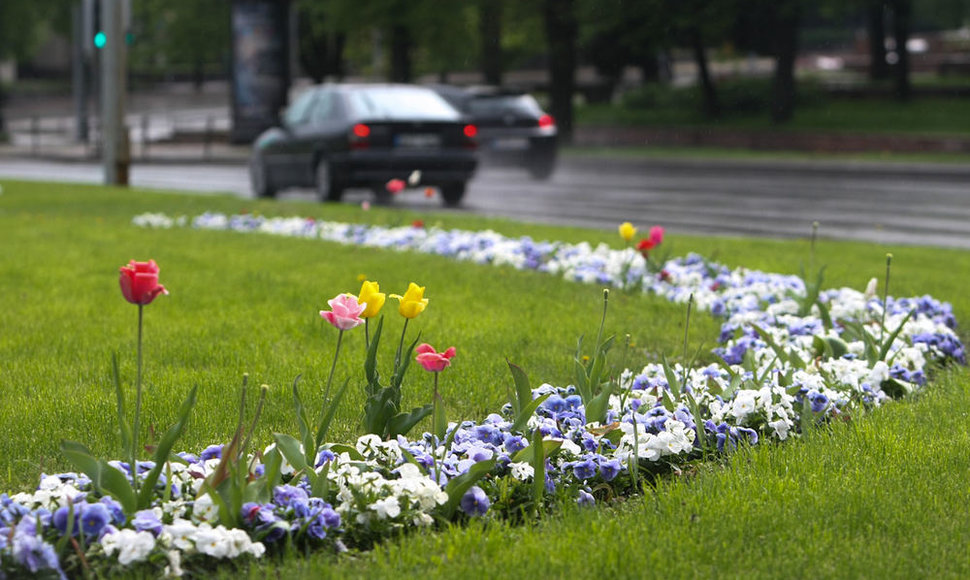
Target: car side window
323, 109
296, 114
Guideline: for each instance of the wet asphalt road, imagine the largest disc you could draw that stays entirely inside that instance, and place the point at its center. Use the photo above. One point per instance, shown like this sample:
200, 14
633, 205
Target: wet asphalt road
921, 204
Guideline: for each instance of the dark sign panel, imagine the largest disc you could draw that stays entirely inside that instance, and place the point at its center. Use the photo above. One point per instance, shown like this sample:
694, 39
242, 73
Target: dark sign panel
260, 65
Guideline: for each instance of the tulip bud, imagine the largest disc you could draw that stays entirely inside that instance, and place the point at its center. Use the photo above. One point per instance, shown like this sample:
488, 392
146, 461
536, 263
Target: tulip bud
871, 288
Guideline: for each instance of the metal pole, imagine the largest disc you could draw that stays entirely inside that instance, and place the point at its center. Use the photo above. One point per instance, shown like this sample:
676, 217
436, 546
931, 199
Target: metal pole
114, 142
79, 74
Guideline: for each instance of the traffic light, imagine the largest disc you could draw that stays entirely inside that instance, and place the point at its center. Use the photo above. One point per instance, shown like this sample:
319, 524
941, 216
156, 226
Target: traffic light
100, 39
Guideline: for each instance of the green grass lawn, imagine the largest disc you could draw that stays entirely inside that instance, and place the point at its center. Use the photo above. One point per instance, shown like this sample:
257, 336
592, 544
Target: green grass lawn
884, 495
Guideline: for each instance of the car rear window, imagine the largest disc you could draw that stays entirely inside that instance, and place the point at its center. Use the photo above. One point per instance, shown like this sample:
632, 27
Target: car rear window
404, 103
499, 105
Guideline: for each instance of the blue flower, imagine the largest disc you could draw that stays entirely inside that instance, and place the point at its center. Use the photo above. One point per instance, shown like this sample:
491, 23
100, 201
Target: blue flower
584, 470
93, 518
610, 468
585, 498
147, 521
211, 452
475, 503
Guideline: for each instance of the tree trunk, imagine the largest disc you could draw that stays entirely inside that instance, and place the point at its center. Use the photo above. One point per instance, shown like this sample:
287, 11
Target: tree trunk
312, 48
902, 16
786, 48
878, 69
490, 31
335, 61
400, 54
712, 108
561, 33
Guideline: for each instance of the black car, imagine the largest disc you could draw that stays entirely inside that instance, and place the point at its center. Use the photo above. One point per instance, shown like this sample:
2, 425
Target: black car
512, 127
338, 136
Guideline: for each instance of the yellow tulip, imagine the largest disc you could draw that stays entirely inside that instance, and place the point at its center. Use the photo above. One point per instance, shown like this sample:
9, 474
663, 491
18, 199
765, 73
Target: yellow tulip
370, 293
627, 231
413, 302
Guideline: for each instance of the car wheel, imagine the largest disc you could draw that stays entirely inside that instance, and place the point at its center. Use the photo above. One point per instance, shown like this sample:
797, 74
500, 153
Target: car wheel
329, 187
262, 187
452, 193
542, 169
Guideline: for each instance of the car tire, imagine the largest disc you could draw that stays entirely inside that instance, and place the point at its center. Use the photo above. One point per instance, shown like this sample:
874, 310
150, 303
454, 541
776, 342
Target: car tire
259, 179
542, 169
328, 186
452, 193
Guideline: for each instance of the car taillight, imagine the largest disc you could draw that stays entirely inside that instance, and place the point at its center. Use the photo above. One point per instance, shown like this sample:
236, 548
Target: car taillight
358, 136
546, 121
470, 132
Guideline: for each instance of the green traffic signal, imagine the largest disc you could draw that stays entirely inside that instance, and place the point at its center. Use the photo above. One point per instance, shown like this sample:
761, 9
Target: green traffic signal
100, 39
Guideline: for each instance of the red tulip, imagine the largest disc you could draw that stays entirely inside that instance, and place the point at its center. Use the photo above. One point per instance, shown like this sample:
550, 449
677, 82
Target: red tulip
139, 282
432, 361
394, 186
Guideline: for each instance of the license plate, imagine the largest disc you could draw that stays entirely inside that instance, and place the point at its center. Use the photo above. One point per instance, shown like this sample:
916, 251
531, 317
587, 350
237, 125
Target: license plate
510, 143
418, 141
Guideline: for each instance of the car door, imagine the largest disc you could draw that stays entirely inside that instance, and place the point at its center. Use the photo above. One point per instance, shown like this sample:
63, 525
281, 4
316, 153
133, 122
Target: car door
315, 137
284, 159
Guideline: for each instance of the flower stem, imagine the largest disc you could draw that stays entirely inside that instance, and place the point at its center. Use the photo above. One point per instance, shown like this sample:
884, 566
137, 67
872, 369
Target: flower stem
367, 334
400, 345
885, 299
137, 420
434, 426
333, 367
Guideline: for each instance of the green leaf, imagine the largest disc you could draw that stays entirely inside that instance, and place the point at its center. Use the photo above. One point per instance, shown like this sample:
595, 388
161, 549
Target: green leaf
673, 381
582, 380
402, 423
780, 352
398, 376
320, 485
324, 426
887, 344
123, 426
370, 363
290, 448
523, 391
523, 417
596, 408
539, 468
164, 449
104, 477
457, 487
549, 446
302, 419
896, 389
823, 313
350, 450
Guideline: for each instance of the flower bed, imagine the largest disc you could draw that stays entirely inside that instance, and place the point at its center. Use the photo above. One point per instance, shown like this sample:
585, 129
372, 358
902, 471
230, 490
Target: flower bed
791, 360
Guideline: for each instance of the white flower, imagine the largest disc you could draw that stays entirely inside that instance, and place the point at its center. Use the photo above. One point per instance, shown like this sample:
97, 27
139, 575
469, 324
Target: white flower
174, 568
204, 509
131, 546
212, 541
743, 405
386, 508
780, 428
521, 470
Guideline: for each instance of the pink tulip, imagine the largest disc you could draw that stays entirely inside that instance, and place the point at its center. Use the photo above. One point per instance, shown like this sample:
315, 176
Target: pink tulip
344, 312
432, 361
656, 235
